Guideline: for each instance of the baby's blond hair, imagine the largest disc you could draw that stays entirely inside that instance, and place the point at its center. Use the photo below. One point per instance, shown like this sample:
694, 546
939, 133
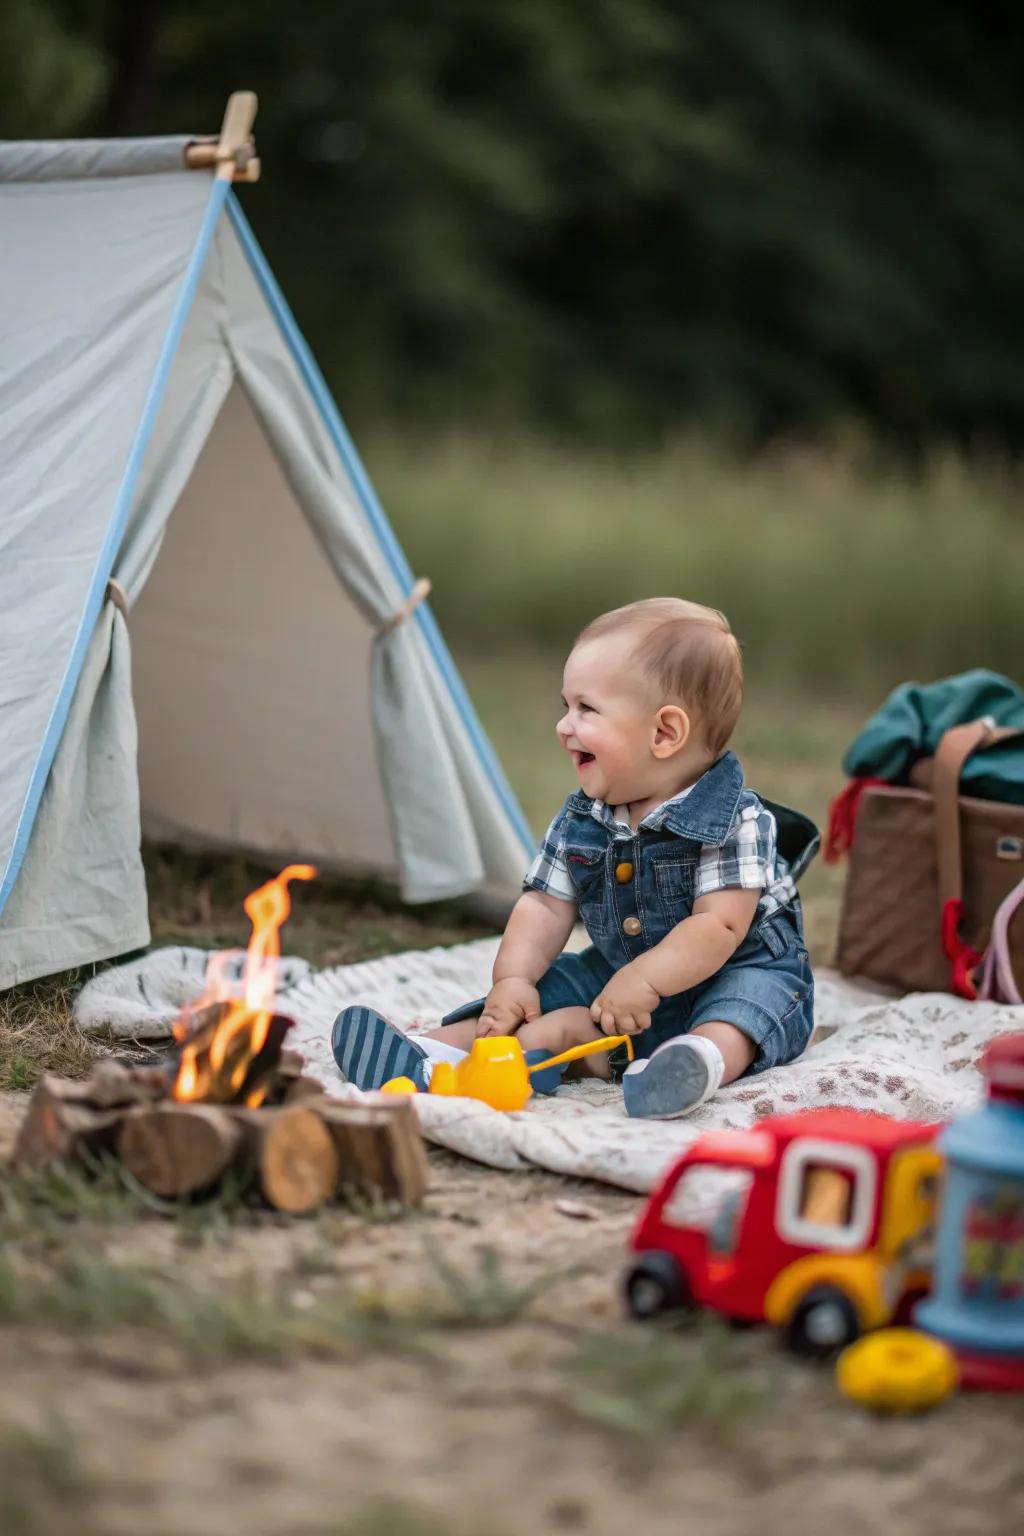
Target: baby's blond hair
690, 653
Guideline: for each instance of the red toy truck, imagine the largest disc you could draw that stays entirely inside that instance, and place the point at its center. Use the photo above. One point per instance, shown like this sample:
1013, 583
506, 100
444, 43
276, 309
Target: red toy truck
830, 1235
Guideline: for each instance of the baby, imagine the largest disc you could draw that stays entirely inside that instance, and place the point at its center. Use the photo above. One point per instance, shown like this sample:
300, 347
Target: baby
683, 879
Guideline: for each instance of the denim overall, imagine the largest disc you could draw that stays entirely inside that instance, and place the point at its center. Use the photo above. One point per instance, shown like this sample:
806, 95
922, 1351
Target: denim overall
632, 891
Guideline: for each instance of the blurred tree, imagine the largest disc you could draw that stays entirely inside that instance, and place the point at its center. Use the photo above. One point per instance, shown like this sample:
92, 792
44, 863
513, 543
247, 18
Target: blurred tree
51, 78
607, 216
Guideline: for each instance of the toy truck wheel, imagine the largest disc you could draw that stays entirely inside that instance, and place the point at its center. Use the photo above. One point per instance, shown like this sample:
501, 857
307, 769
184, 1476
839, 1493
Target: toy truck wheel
824, 1321
654, 1285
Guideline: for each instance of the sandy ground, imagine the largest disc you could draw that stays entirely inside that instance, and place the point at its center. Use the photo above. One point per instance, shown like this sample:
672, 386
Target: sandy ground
481, 1435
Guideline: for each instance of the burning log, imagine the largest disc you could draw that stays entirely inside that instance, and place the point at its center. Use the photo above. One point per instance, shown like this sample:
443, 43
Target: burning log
233, 1097
175, 1150
303, 1153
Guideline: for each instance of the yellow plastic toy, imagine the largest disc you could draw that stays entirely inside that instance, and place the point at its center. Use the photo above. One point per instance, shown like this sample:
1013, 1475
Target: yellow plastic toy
496, 1072
897, 1370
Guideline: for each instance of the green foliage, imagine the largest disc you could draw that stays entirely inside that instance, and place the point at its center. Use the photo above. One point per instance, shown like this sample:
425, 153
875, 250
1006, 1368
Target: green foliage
837, 580
36, 1032
44, 1487
50, 78
613, 218
484, 1294
649, 1382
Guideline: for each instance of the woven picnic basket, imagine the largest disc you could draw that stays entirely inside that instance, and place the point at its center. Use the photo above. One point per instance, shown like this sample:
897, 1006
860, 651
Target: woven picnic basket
928, 871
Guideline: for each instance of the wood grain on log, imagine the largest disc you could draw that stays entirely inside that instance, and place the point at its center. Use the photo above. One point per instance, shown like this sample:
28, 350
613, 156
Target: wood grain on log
294, 1154
69, 1118
380, 1148
175, 1150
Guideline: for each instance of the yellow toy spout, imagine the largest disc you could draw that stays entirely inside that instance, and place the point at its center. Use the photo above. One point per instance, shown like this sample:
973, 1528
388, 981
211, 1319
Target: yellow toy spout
496, 1072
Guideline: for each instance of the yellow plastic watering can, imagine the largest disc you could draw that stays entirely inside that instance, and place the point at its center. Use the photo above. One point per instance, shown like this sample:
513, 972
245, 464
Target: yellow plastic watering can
496, 1071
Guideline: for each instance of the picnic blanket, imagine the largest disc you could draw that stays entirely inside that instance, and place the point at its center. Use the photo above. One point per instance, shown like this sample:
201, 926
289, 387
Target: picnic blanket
912, 1057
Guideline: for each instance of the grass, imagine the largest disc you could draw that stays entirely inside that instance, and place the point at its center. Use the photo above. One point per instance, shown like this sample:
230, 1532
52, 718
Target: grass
649, 1382
61, 1265
840, 579
44, 1486
36, 1032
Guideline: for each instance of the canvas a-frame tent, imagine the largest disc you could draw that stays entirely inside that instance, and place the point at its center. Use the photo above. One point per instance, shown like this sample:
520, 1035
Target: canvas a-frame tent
198, 586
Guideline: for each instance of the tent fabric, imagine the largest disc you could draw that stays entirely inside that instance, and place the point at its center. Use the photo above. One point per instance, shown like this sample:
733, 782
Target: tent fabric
80, 159
102, 269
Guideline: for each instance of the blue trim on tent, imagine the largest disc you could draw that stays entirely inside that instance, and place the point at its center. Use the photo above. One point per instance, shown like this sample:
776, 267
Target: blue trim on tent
112, 539
377, 518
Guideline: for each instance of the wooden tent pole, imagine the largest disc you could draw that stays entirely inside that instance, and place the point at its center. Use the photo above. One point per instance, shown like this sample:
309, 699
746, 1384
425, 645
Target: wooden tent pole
233, 152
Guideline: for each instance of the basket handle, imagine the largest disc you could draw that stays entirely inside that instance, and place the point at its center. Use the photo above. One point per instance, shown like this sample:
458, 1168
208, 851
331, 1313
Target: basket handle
954, 749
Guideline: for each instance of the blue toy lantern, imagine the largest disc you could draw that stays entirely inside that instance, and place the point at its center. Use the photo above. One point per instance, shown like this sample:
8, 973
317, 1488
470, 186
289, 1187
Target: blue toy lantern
977, 1301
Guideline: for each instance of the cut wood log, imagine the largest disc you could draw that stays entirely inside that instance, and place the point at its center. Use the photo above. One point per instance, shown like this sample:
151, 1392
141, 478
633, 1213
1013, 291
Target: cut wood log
294, 1154
59, 1130
70, 1118
380, 1148
175, 1150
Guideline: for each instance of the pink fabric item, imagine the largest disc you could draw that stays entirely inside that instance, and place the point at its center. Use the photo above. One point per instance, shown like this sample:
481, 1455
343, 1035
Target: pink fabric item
996, 981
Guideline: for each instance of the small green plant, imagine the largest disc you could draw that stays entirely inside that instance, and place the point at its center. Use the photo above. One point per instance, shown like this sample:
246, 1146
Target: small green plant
387, 1519
649, 1381
474, 1297
44, 1486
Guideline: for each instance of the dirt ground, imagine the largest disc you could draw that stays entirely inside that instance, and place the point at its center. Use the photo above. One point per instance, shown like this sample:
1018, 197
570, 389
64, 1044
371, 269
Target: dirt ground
514, 1414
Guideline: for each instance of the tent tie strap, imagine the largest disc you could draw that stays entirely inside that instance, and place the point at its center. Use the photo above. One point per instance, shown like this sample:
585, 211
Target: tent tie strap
405, 610
116, 595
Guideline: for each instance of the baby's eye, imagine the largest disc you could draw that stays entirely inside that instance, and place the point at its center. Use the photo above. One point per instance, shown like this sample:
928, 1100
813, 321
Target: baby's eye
586, 709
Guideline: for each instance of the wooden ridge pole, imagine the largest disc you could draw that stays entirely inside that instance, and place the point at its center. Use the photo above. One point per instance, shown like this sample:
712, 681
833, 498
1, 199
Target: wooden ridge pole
232, 153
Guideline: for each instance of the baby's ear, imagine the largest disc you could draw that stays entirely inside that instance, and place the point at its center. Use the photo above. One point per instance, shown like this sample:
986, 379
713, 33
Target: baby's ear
671, 731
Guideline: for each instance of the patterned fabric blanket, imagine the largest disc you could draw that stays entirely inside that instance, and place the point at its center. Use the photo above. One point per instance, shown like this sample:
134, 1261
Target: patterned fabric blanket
911, 1057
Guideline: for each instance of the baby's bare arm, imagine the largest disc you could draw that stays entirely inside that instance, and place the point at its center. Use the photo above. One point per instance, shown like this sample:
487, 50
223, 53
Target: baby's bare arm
535, 935
701, 944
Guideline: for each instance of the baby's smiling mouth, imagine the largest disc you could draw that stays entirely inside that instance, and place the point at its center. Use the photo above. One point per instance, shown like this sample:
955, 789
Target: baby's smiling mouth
580, 758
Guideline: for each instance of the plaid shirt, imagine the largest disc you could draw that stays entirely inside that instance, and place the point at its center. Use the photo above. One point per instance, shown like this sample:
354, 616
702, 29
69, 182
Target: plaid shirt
747, 859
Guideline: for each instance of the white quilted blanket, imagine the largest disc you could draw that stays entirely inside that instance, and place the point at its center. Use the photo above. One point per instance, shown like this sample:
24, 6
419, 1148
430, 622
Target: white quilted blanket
912, 1057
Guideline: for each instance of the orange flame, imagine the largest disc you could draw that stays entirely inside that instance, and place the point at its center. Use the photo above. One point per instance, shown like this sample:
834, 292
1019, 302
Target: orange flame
267, 908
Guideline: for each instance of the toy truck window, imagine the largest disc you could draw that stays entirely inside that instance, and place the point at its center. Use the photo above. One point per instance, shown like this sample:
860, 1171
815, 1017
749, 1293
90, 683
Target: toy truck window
712, 1200
826, 1195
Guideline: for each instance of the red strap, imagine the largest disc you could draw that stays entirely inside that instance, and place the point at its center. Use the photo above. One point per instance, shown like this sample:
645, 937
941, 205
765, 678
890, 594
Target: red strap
842, 818
964, 960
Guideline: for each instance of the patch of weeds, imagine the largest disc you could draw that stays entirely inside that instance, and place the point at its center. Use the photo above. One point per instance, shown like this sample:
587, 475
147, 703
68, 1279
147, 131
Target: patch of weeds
650, 1381
43, 1483
388, 1519
235, 1199
320, 1258
43, 1202
486, 1294
37, 1034
249, 1318
21, 1072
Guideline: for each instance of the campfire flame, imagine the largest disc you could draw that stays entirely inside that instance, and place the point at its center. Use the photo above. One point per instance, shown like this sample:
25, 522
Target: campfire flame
241, 1030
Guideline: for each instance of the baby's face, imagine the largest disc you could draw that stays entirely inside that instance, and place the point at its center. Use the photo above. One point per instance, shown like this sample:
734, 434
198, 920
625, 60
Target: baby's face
609, 721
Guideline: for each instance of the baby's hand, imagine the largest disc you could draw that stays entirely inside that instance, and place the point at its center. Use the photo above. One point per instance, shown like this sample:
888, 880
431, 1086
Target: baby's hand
626, 1004
509, 1003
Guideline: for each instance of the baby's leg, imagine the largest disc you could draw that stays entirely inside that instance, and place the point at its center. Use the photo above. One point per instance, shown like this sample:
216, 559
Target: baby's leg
738, 1050
686, 1071
460, 1035
560, 1031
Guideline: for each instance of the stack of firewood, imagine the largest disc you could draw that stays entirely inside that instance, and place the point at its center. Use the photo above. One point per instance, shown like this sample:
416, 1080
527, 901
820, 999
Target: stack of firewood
303, 1148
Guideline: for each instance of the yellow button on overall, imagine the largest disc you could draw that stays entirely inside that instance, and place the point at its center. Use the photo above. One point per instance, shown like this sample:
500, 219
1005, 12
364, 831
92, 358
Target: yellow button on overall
624, 873
632, 926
